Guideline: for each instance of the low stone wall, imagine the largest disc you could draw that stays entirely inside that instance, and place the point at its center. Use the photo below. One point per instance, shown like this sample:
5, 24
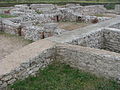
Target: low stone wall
108, 39
91, 9
99, 62
112, 39
116, 26
94, 36
30, 59
10, 27
71, 36
117, 8
92, 39
35, 33
43, 6
67, 14
32, 32
26, 61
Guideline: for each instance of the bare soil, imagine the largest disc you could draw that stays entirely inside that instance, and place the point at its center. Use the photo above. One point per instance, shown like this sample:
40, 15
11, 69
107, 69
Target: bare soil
10, 43
72, 25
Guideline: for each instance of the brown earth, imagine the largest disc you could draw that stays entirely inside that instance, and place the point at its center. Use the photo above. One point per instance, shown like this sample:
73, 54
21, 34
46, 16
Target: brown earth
10, 43
72, 25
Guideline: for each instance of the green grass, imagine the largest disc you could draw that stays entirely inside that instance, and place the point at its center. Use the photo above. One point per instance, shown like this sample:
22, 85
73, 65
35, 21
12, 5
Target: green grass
99, 15
6, 16
62, 77
109, 4
39, 12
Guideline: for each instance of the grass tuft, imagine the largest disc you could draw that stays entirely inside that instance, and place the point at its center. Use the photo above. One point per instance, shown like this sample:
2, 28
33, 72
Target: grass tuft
6, 16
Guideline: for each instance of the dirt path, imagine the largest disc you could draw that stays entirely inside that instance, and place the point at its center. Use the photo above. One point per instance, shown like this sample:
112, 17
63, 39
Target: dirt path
9, 43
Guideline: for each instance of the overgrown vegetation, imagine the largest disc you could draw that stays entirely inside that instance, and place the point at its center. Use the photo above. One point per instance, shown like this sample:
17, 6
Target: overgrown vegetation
62, 77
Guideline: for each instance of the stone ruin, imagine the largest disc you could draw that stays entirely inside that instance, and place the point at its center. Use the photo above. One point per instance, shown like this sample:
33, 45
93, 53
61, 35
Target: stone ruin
94, 48
35, 16
117, 8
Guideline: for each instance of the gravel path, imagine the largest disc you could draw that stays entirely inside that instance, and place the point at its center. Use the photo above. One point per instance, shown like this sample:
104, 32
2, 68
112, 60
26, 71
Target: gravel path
9, 43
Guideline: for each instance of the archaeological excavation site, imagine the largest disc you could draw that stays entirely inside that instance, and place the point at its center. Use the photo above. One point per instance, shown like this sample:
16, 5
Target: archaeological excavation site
34, 36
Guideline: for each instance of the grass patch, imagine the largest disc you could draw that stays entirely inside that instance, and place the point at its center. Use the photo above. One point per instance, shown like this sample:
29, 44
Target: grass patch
6, 16
59, 76
39, 12
99, 15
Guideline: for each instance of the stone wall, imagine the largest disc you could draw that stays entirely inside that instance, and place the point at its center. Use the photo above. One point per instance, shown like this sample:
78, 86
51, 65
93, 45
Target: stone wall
92, 39
116, 26
99, 62
32, 32
87, 10
108, 39
26, 61
23, 9
112, 39
42, 7
65, 13
10, 27
30, 59
117, 8
30, 29
71, 36
68, 14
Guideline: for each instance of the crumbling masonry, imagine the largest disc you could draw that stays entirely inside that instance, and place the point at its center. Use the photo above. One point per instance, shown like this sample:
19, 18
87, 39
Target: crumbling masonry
94, 48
